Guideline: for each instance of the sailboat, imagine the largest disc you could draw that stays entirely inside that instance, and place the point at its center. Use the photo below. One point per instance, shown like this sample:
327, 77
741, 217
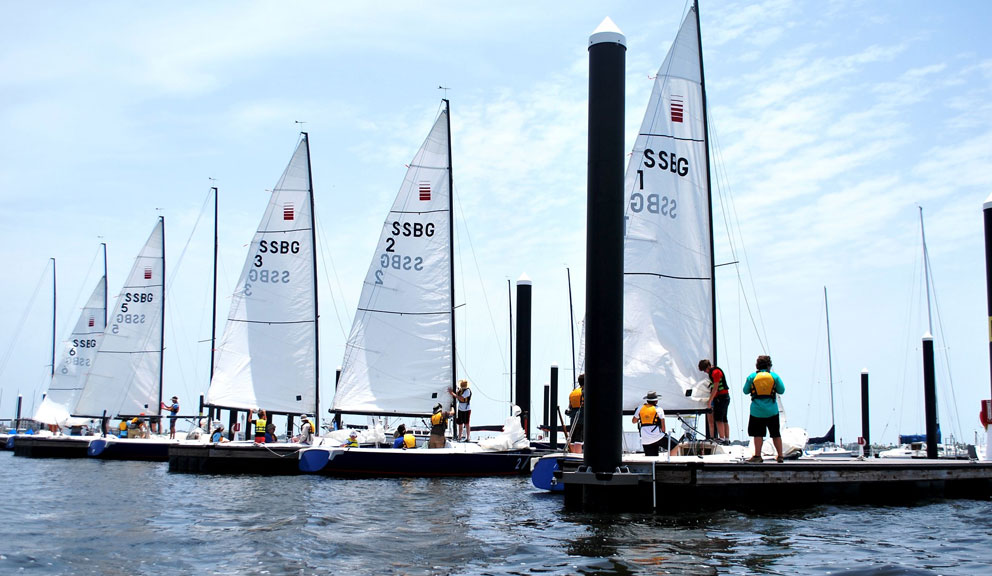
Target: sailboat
400, 356
831, 450
267, 357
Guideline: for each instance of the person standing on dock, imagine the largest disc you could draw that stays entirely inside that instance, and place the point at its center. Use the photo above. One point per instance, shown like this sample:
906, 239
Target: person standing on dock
260, 424
651, 421
763, 385
173, 414
576, 401
462, 417
719, 402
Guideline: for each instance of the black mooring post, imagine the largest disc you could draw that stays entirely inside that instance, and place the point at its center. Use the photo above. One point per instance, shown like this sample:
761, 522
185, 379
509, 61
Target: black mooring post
547, 406
17, 414
987, 211
604, 251
930, 396
524, 295
865, 433
337, 415
231, 421
553, 408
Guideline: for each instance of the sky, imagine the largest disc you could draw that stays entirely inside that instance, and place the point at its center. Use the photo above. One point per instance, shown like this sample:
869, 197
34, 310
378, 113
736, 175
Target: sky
831, 124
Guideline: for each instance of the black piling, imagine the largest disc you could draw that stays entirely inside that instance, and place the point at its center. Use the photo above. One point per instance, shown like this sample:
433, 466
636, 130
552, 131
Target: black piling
17, 415
523, 350
547, 406
864, 412
337, 415
930, 396
987, 211
604, 250
553, 408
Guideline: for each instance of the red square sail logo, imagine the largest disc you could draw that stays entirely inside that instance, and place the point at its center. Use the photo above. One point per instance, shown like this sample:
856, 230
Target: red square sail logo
425, 191
92, 322
287, 211
677, 108
148, 272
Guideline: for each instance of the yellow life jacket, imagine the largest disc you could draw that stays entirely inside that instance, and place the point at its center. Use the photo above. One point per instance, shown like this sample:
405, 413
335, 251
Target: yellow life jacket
649, 415
763, 386
409, 440
575, 398
437, 419
352, 443
260, 424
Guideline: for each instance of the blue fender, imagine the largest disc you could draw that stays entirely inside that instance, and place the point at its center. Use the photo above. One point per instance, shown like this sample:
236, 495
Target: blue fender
96, 447
543, 475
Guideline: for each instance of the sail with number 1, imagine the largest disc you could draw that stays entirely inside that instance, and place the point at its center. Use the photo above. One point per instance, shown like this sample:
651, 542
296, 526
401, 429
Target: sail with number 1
267, 356
669, 310
126, 376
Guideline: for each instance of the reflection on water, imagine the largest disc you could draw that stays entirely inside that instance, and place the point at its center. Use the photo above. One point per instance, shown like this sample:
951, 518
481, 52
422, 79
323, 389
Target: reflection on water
94, 517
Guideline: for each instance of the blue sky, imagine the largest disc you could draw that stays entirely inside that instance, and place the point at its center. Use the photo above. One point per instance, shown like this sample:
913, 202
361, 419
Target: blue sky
833, 122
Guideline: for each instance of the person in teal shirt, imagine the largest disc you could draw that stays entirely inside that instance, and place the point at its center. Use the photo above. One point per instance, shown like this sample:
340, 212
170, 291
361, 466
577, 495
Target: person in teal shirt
764, 385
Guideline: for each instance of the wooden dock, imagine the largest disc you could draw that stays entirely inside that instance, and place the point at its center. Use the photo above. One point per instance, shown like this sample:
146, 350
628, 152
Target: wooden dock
235, 458
687, 484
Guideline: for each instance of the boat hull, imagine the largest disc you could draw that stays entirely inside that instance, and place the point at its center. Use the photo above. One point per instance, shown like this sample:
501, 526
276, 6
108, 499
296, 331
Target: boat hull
148, 450
388, 462
51, 447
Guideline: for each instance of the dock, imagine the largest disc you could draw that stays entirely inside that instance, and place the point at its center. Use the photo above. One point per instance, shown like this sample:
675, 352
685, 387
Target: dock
688, 484
30, 446
235, 458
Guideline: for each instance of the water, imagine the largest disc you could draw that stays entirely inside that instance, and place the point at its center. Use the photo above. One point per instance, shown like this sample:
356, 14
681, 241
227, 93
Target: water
92, 517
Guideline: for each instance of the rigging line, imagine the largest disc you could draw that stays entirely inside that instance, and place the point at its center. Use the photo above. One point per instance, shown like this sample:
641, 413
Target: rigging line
325, 253
24, 316
69, 322
175, 267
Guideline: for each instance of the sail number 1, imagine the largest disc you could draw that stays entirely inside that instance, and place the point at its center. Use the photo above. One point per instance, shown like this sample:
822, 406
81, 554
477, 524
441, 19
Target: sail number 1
652, 203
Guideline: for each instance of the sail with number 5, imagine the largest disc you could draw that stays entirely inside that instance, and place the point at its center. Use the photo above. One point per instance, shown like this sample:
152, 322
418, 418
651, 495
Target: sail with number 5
669, 306
267, 356
126, 377
399, 355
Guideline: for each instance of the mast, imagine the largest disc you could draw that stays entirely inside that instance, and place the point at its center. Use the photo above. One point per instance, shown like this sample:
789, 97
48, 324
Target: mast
926, 272
451, 248
830, 363
709, 192
213, 315
54, 298
316, 330
104, 244
161, 359
571, 328
509, 301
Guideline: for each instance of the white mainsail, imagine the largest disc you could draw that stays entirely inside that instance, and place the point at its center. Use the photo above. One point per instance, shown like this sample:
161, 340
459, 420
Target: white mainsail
126, 376
78, 353
267, 356
398, 359
668, 262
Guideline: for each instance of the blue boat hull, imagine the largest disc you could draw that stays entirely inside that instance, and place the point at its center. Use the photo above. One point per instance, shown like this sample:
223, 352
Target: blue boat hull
143, 450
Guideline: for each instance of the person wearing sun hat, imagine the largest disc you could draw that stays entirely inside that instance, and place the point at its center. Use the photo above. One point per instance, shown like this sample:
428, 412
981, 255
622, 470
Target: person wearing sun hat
173, 414
650, 419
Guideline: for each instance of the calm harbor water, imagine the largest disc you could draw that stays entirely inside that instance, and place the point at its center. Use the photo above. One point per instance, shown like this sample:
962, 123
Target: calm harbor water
93, 517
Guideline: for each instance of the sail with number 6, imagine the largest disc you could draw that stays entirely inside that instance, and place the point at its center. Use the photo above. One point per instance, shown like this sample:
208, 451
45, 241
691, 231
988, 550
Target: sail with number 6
399, 355
669, 310
267, 356
126, 377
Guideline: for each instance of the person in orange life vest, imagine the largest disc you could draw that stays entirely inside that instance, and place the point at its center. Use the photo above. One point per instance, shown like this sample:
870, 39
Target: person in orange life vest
763, 385
260, 423
576, 401
439, 423
651, 421
719, 402
403, 439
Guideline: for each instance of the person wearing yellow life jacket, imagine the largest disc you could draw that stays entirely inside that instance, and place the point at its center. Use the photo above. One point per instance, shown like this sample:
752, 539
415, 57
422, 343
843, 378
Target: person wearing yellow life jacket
763, 385
260, 423
576, 402
122, 429
439, 423
352, 440
650, 419
719, 402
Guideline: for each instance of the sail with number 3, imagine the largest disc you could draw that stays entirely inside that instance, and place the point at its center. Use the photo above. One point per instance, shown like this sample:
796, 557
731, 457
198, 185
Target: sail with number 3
399, 355
669, 311
267, 356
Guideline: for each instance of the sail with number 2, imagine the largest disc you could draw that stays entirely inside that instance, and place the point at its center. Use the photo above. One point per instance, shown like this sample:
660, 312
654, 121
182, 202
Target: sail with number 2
399, 355
668, 255
126, 376
267, 356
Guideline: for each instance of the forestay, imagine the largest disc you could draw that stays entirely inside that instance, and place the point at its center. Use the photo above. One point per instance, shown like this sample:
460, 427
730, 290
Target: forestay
398, 359
668, 263
267, 356
78, 353
126, 374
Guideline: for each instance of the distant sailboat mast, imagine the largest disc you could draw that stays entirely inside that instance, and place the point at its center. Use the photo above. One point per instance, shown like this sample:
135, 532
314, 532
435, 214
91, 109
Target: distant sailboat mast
926, 273
316, 325
830, 365
161, 341
54, 299
709, 192
451, 249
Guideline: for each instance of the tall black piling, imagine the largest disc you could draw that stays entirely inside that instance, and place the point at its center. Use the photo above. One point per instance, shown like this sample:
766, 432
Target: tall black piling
553, 407
523, 350
930, 396
865, 433
547, 406
987, 212
17, 415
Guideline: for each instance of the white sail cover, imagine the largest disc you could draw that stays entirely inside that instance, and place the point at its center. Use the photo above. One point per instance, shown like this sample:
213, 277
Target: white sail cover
668, 317
398, 358
267, 356
127, 370
78, 353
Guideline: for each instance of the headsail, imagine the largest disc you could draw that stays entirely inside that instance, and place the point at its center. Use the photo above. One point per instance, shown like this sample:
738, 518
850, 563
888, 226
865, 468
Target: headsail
668, 261
78, 353
267, 356
398, 359
126, 377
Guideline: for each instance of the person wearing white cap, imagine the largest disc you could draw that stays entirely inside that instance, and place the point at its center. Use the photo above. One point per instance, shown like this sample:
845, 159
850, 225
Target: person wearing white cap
650, 419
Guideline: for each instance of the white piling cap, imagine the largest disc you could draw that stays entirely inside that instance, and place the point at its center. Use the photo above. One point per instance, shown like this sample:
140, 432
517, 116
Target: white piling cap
608, 32
523, 280
988, 203
927, 336
864, 370
554, 364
